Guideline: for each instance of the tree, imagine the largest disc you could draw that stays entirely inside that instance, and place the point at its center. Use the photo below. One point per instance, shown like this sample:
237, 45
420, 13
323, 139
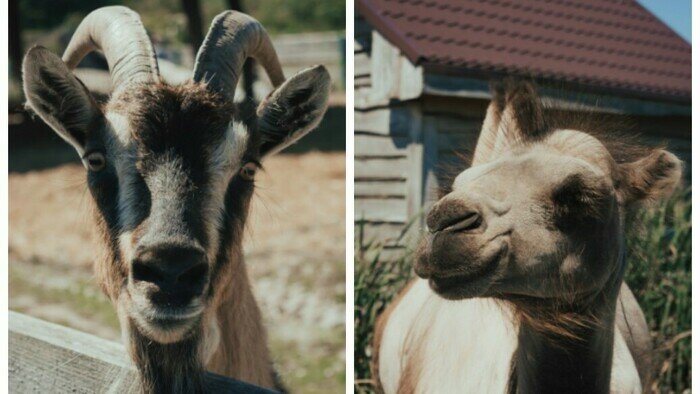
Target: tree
194, 22
15, 39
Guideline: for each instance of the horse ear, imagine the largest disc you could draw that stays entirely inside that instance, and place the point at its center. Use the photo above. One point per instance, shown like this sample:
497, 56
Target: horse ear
651, 178
486, 145
514, 115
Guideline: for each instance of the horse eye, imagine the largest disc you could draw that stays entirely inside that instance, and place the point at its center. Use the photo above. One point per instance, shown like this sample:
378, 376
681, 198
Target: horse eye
95, 161
247, 172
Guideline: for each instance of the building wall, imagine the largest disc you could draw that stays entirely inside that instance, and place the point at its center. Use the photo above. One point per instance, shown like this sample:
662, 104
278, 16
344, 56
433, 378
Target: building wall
388, 155
387, 158
401, 150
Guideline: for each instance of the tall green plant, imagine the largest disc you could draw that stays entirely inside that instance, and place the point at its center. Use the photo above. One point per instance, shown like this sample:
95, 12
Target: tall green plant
659, 273
377, 280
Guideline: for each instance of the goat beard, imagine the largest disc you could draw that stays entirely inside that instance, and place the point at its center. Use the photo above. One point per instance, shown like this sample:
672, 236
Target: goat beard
168, 368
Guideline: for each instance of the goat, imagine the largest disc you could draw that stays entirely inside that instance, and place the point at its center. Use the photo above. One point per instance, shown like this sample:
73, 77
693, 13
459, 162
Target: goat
171, 171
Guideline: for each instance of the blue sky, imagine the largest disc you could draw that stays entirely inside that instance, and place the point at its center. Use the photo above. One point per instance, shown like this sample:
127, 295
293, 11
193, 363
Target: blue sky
675, 13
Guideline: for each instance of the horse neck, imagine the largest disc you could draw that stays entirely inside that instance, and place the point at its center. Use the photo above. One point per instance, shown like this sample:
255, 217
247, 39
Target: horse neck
242, 352
548, 363
572, 354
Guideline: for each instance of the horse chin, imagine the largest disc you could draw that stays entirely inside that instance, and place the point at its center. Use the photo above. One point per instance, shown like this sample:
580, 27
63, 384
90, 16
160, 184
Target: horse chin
475, 282
459, 287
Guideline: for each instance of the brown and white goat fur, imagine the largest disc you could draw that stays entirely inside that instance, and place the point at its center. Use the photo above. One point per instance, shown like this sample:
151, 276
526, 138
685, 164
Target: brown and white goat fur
521, 271
171, 173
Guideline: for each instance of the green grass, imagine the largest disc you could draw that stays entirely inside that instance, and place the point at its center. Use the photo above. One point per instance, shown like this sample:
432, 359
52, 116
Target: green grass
82, 297
317, 370
659, 273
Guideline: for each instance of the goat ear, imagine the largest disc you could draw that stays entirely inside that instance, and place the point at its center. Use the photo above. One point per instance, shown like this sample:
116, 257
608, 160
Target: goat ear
293, 110
514, 115
651, 178
58, 97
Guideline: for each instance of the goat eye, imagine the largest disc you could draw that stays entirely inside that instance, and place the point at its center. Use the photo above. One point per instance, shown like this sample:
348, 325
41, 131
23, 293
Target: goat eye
95, 161
247, 172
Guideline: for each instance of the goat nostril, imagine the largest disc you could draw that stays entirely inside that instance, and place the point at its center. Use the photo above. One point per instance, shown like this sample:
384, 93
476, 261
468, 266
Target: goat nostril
146, 273
166, 266
194, 274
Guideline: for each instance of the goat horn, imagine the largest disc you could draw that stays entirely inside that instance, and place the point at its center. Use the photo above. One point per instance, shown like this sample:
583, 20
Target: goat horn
119, 33
232, 38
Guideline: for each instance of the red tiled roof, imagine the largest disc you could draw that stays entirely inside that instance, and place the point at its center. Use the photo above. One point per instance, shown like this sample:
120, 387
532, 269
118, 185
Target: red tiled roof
604, 45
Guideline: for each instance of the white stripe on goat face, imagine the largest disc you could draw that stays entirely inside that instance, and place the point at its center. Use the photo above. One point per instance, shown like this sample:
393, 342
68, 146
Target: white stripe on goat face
225, 160
170, 188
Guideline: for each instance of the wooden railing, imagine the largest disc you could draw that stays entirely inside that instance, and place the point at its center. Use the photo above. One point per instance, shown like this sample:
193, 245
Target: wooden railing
48, 358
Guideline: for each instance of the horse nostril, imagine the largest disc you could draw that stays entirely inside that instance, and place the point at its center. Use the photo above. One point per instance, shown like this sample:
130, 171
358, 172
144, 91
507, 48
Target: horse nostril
463, 222
471, 221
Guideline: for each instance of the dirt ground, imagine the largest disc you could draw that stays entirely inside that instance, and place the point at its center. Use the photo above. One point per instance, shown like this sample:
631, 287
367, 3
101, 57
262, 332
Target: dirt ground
295, 250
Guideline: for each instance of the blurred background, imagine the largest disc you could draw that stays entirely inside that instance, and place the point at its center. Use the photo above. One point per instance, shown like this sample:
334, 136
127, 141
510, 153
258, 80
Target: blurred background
294, 245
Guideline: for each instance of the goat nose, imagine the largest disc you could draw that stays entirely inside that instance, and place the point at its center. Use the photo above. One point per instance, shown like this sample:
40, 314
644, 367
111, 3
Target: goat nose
168, 266
453, 216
